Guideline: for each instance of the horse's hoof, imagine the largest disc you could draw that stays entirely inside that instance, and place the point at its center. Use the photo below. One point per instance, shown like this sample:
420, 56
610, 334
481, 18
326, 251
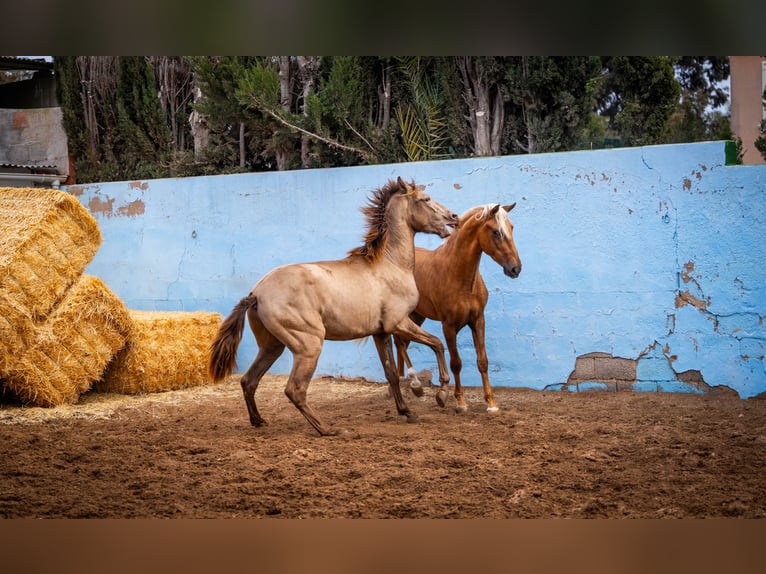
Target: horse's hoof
412, 418
461, 409
493, 409
416, 388
441, 398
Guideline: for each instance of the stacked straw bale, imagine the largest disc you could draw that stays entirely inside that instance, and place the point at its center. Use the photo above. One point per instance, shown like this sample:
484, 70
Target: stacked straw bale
166, 350
47, 238
63, 332
72, 348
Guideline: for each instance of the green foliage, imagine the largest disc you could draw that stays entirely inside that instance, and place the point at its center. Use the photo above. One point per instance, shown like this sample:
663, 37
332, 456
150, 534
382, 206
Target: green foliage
552, 98
140, 145
225, 82
760, 141
696, 117
68, 90
271, 112
258, 82
337, 111
421, 118
638, 95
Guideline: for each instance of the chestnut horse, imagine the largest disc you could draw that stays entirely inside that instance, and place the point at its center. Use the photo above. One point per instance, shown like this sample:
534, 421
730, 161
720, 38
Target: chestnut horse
452, 290
369, 293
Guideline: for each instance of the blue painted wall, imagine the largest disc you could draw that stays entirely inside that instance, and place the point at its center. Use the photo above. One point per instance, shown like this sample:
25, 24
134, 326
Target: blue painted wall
653, 253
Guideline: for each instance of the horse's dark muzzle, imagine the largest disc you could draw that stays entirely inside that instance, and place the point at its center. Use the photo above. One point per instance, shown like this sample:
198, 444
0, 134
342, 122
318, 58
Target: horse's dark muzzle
513, 271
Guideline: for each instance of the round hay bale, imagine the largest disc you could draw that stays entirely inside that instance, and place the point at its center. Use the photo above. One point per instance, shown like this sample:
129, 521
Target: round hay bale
166, 350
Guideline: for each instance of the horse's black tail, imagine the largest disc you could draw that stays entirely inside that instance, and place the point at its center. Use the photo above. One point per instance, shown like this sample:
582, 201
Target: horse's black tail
222, 355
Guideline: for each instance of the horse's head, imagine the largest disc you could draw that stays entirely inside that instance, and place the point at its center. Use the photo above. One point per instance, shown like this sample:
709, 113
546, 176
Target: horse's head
495, 235
408, 204
425, 214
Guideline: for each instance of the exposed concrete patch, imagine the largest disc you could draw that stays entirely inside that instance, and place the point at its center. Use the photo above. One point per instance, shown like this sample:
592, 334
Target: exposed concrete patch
652, 371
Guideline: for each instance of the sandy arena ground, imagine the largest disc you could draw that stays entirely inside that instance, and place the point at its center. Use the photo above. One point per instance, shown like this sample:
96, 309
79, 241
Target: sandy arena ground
193, 454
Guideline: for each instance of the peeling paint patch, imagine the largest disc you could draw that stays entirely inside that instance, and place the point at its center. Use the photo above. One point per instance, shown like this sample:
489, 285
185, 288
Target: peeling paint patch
687, 298
457, 186
105, 207
687, 183
132, 209
96, 205
142, 185
688, 268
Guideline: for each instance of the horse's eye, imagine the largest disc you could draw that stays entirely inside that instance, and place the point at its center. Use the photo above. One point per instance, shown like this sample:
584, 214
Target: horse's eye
496, 234
426, 199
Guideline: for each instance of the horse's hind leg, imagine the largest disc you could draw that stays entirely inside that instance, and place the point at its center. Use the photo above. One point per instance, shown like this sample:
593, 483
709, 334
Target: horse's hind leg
304, 365
386, 353
253, 375
456, 366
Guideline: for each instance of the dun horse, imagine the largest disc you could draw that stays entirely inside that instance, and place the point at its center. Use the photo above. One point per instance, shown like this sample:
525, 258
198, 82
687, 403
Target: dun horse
369, 293
452, 290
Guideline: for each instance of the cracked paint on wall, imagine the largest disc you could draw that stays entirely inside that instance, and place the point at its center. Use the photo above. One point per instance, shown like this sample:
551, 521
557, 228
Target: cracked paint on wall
653, 255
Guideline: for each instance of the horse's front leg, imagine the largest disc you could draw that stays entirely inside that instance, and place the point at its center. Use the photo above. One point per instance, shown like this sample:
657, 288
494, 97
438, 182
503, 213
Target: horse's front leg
456, 365
386, 354
402, 360
408, 330
477, 329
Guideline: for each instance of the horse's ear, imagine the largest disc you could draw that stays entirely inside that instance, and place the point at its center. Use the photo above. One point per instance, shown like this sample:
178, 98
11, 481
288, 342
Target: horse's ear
493, 211
400, 182
509, 207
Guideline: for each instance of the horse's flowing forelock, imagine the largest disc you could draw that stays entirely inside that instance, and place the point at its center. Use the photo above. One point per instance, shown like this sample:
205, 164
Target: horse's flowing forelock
377, 227
501, 217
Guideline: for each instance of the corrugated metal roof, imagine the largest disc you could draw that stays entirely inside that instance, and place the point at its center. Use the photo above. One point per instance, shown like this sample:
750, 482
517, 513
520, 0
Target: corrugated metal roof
27, 166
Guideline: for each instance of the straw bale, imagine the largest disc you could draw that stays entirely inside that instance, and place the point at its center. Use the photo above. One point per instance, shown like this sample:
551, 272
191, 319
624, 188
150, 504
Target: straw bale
166, 350
48, 238
71, 350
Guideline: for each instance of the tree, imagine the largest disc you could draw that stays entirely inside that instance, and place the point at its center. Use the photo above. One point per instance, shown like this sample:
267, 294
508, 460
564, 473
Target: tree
421, 117
327, 117
87, 87
227, 117
176, 92
760, 141
117, 126
550, 102
482, 78
338, 114
638, 96
133, 117
696, 117
308, 73
140, 145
